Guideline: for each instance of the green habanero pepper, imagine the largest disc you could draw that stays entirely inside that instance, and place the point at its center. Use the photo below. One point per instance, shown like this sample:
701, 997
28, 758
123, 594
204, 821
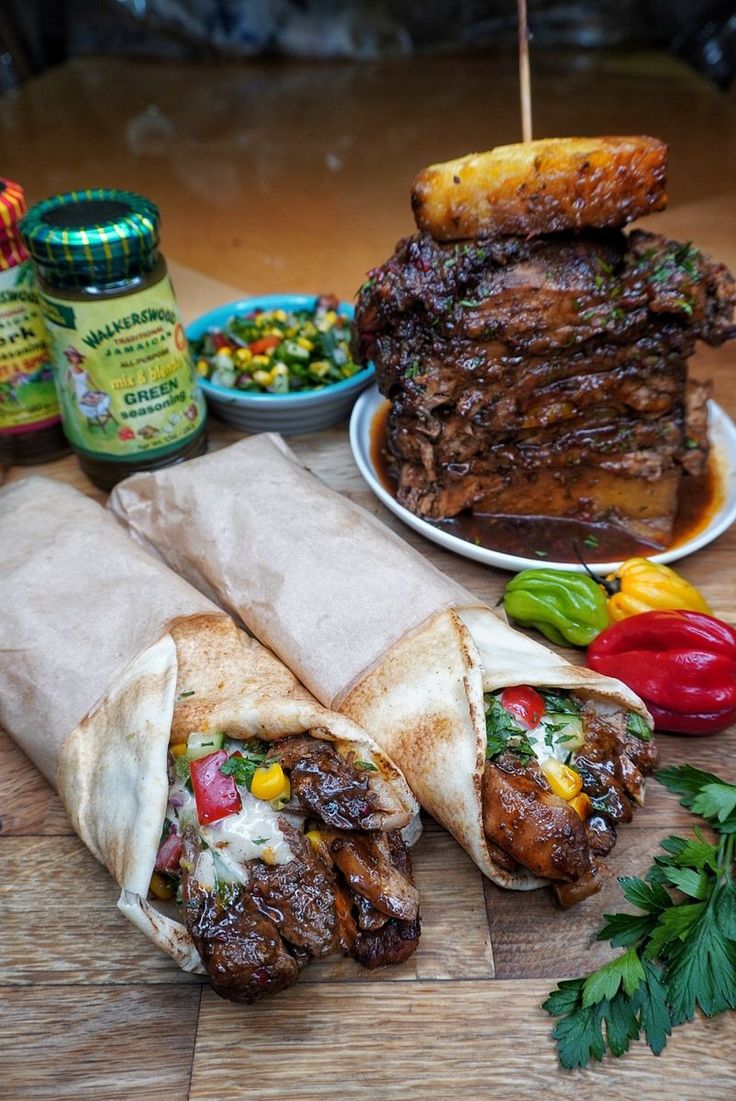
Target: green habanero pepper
568, 608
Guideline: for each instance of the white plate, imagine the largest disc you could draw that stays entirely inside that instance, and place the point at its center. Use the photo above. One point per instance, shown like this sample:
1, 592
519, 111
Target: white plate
723, 439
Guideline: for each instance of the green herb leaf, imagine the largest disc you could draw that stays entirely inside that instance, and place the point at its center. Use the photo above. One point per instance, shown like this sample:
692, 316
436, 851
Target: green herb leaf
366, 766
638, 727
654, 1014
183, 695
648, 897
716, 801
181, 766
690, 882
674, 925
560, 703
625, 971
624, 930
686, 781
243, 764
504, 733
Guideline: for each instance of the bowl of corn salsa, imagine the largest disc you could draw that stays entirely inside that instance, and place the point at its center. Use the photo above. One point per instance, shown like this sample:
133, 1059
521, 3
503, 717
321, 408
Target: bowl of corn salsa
278, 363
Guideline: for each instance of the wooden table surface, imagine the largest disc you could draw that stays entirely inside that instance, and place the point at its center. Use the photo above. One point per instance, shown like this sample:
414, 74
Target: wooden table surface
296, 177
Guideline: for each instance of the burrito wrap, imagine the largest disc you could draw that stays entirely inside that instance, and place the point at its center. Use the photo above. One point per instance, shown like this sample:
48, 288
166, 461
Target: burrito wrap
98, 641
365, 621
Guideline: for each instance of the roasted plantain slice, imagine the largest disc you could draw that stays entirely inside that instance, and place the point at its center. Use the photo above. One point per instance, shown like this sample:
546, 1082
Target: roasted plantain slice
542, 187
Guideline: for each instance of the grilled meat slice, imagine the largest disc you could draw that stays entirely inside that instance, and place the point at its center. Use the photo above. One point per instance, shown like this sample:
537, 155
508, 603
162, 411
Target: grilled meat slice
331, 787
303, 898
394, 940
393, 943
240, 948
370, 865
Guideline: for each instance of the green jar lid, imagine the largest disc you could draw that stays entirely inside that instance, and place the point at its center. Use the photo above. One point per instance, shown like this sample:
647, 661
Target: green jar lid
100, 235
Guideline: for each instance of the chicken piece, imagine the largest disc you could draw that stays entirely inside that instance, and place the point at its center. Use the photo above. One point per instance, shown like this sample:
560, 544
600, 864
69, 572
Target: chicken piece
368, 866
241, 949
535, 827
303, 899
542, 187
394, 941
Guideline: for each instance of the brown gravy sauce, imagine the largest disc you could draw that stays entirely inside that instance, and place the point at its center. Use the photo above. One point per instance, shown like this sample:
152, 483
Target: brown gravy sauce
555, 538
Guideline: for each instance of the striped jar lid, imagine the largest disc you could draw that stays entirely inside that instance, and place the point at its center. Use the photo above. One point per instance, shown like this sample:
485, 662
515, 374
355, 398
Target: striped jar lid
96, 236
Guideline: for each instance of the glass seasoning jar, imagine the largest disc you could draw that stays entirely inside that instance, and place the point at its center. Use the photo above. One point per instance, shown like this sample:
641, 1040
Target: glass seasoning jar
30, 425
129, 397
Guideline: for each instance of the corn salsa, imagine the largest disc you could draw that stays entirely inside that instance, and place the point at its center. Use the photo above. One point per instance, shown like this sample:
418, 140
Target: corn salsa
278, 351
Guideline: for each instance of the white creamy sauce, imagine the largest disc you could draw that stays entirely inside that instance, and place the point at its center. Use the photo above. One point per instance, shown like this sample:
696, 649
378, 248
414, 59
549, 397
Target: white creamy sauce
253, 833
546, 741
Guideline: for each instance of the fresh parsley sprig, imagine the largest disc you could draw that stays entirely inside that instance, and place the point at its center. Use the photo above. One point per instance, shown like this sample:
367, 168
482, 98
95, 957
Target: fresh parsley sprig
503, 732
244, 762
680, 947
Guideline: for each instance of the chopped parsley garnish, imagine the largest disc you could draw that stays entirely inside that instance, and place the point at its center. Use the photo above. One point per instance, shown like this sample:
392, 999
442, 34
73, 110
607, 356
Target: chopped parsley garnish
591, 541
559, 703
680, 951
638, 727
541, 553
366, 766
183, 695
260, 840
503, 732
244, 762
181, 767
413, 370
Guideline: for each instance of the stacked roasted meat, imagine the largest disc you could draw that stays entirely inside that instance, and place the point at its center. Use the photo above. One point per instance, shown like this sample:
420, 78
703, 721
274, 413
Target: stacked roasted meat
544, 373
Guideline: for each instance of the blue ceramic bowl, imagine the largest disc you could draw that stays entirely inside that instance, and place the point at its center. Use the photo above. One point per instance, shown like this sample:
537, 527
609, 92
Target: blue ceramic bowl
291, 414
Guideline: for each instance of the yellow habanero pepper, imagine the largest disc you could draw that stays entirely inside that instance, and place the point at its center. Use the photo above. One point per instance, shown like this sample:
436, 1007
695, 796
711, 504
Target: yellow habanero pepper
643, 586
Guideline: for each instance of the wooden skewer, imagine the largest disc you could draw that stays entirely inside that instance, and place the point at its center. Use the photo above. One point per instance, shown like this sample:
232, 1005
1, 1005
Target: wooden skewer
525, 83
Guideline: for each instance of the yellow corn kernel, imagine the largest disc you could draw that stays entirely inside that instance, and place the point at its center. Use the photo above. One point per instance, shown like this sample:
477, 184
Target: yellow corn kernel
161, 888
270, 783
279, 315
260, 361
178, 749
268, 856
263, 378
327, 322
314, 837
320, 368
564, 781
582, 805
203, 367
244, 355
225, 351
307, 345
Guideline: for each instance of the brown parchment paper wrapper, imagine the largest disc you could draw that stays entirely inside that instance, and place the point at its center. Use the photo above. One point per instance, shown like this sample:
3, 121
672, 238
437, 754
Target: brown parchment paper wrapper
98, 640
363, 620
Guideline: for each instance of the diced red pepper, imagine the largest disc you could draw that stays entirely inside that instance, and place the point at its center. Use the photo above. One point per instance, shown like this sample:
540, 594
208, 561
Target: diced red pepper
258, 347
216, 795
219, 341
167, 857
524, 703
681, 663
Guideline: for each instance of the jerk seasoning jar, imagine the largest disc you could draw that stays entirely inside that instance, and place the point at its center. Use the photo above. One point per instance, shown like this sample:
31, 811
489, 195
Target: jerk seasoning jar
128, 394
30, 425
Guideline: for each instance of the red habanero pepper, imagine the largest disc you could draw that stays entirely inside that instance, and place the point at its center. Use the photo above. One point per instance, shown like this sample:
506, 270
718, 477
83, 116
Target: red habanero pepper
216, 795
681, 663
